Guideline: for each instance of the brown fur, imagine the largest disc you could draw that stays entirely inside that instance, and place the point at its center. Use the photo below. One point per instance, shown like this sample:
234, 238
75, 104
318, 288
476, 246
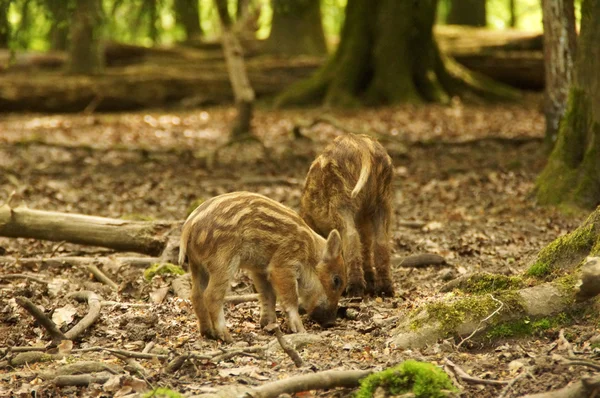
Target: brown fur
349, 188
286, 260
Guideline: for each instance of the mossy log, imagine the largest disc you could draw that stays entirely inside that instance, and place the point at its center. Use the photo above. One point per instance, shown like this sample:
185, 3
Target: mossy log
136, 236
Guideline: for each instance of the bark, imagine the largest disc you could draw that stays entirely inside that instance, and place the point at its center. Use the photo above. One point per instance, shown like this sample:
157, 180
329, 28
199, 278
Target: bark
467, 12
187, 13
572, 175
4, 24
296, 28
236, 68
59, 29
512, 9
85, 54
559, 51
363, 68
142, 237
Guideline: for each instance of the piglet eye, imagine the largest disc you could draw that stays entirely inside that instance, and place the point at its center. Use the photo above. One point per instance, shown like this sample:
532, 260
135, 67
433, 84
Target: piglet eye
337, 282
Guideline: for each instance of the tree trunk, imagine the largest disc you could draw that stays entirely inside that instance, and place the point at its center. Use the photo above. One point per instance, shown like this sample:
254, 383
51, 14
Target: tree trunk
85, 55
559, 50
296, 28
136, 236
467, 12
387, 54
4, 24
187, 13
59, 29
572, 174
512, 9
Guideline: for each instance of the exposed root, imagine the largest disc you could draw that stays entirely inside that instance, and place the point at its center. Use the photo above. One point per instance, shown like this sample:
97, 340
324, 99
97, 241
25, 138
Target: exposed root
55, 333
94, 302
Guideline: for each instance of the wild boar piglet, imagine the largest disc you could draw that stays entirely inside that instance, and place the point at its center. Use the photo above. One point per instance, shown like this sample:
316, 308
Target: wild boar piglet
286, 260
349, 188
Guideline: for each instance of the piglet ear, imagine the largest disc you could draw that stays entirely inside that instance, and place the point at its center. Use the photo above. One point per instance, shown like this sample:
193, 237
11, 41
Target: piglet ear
334, 245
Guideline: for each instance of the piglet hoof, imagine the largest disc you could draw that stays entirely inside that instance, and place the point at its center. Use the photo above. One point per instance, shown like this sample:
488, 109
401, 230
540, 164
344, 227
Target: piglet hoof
356, 289
266, 320
297, 326
385, 289
225, 337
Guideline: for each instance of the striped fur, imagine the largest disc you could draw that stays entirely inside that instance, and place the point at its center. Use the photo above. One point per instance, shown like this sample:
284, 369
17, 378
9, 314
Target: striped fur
285, 258
349, 188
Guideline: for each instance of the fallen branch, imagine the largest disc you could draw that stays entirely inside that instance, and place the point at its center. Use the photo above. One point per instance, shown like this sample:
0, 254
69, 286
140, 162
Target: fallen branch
94, 302
31, 357
419, 260
55, 333
241, 298
287, 348
80, 380
250, 351
464, 376
24, 276
80, 368
101, 276
506, 390
586, 387
112, 262
125, 353
314, 381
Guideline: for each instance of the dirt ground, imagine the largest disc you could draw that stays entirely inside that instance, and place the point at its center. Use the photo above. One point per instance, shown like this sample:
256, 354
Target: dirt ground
466, 172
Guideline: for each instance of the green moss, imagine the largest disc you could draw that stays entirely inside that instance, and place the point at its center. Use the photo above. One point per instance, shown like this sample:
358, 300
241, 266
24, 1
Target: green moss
419, 378
162, 392
488, 283
193, 206
162, 269
137, 217
564, 247
528, 327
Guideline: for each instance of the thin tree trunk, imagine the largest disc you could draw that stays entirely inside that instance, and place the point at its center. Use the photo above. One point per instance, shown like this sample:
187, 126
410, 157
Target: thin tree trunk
559, 52
296, 28
59, 29
85, 55
512, 22
4, 24
467, 12
187, 13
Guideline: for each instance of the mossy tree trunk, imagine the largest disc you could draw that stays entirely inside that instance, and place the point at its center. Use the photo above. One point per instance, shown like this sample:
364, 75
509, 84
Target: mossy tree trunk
467, 12
559, 50
4, 24
572, 174
296, 28
59, 29
187, 14
387, 54
85, 52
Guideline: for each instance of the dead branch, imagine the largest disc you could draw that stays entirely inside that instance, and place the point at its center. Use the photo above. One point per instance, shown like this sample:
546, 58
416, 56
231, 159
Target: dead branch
573, 360
25, 358
314, 381
506, 390
121, 304
79, 368
586, 387
124, 235
55, 333
287, 348
101, 276
411, 224
250, 351
24, 276
94, 302
464, 376
419, 260
80, 380
125, 353
182, 288
113, 262
241, 298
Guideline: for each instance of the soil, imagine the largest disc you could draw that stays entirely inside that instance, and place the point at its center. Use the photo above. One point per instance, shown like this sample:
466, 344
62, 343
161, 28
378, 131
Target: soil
466, 171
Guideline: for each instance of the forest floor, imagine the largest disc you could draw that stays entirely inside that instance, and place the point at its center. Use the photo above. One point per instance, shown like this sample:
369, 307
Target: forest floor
466, 171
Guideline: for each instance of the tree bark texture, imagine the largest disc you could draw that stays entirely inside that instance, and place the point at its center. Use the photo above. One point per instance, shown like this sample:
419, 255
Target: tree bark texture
559, 51
136, 236
467, 12
572, 174
187, 13
296, 28
387, 54
85, 55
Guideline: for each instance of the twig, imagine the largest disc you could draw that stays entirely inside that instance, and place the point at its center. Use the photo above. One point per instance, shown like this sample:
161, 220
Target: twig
250, 351
562, 341
572, 360
56, 247
314, 381
79, 380
241, 298
101, 276
287, 348
119, 303
420, 260
56, 335
479, 327
464, 376
148, 347
94, 302
411, 224
509, 386
25, 349
129, 354
24, 276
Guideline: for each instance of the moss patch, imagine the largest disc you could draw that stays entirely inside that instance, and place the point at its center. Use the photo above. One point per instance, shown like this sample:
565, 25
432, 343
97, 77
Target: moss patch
162, 392
528, 327
564, 248
419, 378
488, 283
162, 269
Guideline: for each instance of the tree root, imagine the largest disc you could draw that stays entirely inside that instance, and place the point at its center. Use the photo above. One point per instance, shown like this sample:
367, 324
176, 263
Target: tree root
94, 302
586, 387
419, 260
464, 376
101, 276
287, 348
80, 380
54, 332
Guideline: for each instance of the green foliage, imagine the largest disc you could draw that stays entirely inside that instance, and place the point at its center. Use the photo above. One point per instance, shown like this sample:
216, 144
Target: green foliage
527, 327
488, 283
162, 392
193, 206
420, 378
162, 269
